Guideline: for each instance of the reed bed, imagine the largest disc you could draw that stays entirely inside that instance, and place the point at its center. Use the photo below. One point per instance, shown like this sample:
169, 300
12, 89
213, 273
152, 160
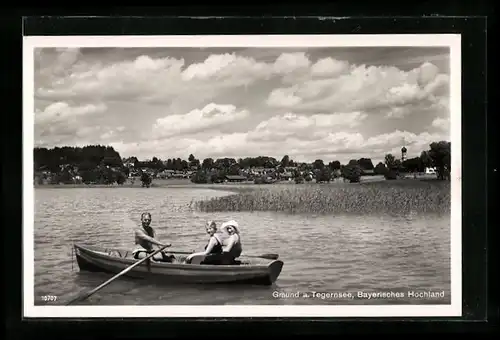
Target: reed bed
381, 197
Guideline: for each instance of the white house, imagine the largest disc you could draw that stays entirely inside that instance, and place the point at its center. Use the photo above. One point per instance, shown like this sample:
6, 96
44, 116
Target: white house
430, 171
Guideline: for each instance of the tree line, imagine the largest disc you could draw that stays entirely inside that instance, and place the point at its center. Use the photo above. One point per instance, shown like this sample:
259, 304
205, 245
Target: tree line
93, 163
103, 164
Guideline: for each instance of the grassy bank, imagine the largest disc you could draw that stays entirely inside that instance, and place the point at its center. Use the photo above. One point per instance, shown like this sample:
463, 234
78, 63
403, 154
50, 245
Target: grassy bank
386, 196
162, 183
157, 183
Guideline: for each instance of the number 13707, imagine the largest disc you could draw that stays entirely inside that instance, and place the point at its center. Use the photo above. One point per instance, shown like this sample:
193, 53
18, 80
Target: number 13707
48, 298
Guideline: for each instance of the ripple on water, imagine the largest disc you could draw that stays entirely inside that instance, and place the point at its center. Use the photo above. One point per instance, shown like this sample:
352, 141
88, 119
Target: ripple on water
323, 253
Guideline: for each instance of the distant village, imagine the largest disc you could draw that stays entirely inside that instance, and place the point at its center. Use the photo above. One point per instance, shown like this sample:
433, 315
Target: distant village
131, 173
254, 174
103, 165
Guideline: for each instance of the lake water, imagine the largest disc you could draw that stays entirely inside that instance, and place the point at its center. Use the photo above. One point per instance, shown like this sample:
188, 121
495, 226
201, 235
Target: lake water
324, 254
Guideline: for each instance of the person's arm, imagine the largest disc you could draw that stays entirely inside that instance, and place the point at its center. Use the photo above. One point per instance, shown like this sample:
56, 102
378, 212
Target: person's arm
210, 246
230, 244
141, 234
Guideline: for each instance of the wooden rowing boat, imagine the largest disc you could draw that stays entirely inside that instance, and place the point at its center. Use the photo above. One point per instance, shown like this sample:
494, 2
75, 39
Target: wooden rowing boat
115, 260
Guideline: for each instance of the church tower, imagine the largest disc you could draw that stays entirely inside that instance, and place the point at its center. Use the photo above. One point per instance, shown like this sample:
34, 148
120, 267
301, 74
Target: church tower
403, 154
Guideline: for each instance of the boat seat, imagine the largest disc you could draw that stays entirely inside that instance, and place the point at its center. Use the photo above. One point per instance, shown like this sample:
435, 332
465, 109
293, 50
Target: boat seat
213, 260
117, 253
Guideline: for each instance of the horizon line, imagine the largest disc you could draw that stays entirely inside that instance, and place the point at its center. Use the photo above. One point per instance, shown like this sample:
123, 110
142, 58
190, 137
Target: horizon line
220, 157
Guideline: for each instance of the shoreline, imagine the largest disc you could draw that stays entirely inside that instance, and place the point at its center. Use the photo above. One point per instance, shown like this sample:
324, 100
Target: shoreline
160, 184
249, 185
245, 187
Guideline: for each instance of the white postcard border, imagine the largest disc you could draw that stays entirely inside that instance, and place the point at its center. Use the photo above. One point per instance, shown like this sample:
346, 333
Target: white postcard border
453, 41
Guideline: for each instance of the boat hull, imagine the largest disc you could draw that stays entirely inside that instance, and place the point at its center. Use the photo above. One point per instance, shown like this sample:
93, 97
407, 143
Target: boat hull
114, 261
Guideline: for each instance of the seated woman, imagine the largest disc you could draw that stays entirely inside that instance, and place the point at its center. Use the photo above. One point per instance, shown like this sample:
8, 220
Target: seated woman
213, 248
231, 245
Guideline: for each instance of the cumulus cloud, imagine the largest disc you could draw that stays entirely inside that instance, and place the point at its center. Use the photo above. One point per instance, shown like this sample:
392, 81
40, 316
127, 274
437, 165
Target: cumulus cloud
329, 67
61, 112
290, 125
364, 88
302, 137
211, 116
227, 68
284, 98
60, 122
326, 84
441, 124
130, 80
55, 62
112, 133
291, 62
216, 104
341, 146
147, 78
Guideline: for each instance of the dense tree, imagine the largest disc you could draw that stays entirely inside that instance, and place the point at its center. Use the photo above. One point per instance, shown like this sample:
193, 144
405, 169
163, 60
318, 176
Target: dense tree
440, 155
121, 178
146, 179
380, 169
218, 176
94, 163
426, 159
234, 169
413, 165
224, 163
318, 164
207, 164
335, 165
285, 161
365, 164
390, 161
391, 174
352, 172
199, 177
323, 175
193, 163
90, 156
169, 165
304, 167
392, 167
258, 162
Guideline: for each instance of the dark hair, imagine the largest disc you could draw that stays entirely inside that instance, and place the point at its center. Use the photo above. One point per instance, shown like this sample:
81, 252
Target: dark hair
144, 214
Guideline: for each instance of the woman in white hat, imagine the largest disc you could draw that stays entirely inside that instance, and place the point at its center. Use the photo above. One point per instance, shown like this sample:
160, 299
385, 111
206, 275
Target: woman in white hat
232, 243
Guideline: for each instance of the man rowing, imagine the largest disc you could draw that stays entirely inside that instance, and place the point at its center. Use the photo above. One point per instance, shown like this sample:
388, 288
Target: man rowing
145, 239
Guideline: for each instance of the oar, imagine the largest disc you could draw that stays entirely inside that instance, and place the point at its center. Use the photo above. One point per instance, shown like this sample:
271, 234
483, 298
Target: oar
86, 295
269, 256
263, 256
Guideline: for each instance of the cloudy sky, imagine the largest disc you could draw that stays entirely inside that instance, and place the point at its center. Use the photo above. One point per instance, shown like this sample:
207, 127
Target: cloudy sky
328, 103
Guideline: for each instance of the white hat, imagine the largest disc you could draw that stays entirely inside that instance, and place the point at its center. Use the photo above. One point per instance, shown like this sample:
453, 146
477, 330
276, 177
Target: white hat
231, 223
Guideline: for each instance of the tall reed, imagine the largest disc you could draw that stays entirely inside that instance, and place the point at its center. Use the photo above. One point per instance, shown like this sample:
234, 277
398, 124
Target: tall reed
388, 196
